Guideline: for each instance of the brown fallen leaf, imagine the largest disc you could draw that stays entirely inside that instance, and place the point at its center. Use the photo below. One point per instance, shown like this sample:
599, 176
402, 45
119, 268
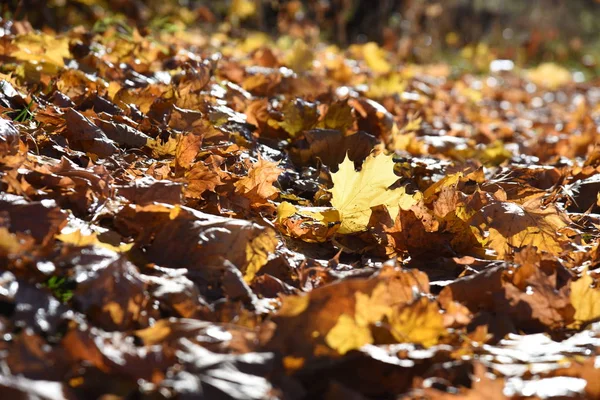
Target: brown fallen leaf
148, 190
84, 135
258, 185
180, 237
506, 226
337, 316
331, 146
42, 220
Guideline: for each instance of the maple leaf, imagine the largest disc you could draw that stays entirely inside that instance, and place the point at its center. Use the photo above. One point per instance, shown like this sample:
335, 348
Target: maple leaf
41, 47
258, 185
348, 334
339, 116
347, 307
300, 56
331, 147
511, 225
419, 322
355, 193
188, 147
203, 177
374, 56
585, 298
257, 253
162, 148
311, 224
298, 115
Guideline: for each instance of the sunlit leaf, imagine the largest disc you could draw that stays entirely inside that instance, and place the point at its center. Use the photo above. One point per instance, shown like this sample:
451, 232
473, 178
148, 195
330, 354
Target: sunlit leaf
419, 322
355, 192
585, 297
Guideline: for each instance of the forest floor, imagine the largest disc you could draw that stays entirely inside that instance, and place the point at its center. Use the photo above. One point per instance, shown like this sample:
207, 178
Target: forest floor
204, 216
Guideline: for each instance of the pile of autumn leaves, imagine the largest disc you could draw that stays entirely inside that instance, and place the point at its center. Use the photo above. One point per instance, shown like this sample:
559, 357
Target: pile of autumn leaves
154, 189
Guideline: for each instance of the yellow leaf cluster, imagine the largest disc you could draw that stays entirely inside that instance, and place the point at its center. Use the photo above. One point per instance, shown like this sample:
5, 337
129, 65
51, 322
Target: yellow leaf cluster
374, 56
550, 75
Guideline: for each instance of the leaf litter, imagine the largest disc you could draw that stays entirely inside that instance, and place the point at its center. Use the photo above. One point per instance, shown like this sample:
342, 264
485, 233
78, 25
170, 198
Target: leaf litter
207, 216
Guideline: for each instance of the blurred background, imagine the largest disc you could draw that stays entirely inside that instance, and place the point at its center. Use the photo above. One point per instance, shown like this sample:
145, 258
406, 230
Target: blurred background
528, 32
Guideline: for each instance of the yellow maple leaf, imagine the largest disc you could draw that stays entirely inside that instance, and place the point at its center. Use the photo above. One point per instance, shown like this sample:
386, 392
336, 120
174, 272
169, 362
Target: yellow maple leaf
300, 56
371, 309
375, 58
393, 84
162, 149
40, 47
352, 333
585, 298
550, 75
258, 251
298, 116
419, 322
354, 193
348, 335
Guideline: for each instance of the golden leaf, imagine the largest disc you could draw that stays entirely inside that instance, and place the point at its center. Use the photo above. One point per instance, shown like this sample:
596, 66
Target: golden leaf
354, 193
242, 9
348, 335
299, 57
162, 149
42, 48
373, 308
419, 322
78, 238
257, 252
298, 116
375, 58
391, 85
550, 75
585, 298
9, 243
